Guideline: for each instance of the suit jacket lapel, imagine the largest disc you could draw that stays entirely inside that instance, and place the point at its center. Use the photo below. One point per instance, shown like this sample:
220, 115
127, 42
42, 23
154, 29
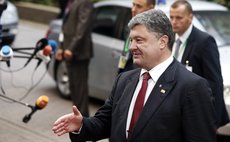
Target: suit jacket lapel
125, 101
188, 48
161, 90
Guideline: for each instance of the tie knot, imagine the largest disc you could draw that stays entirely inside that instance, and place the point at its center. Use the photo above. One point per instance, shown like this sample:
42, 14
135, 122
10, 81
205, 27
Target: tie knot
178, 42
146, 76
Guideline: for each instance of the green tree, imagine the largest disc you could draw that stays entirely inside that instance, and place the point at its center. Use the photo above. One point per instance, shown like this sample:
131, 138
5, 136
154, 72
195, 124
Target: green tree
222, 2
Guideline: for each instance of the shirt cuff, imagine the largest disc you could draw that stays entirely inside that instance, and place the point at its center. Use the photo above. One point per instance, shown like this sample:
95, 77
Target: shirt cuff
77, 132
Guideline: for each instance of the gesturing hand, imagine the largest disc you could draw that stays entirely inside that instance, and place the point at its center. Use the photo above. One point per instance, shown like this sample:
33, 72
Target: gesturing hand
68, 123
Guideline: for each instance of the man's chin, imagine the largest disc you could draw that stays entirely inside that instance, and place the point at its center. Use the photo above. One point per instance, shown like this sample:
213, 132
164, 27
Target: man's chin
137, 62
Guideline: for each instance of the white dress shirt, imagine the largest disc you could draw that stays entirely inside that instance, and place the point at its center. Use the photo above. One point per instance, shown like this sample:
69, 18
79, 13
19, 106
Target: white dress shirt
183, 40
155, 73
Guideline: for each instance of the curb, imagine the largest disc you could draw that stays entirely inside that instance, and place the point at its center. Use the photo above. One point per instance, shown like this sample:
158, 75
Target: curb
36, 12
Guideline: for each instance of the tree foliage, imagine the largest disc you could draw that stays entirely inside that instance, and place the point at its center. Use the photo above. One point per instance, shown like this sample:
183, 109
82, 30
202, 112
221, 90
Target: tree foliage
55, 2
44, 2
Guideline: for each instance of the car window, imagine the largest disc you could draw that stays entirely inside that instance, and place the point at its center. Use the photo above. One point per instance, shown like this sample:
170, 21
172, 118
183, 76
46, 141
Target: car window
216, 23
126, 18
108, 20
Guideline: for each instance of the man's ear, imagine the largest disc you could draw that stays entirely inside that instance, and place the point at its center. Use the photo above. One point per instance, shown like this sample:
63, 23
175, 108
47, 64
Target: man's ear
163, 41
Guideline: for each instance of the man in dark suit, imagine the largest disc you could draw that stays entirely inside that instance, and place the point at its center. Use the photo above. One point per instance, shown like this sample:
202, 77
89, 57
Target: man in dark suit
77, 50
62, 7
177, 105
198, 52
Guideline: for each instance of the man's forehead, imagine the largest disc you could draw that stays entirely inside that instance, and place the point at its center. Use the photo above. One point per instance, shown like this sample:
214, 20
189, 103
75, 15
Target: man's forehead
140, 2
137, 28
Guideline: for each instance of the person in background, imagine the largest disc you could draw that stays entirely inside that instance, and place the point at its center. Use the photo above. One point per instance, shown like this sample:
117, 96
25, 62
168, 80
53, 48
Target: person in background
125, 62
161, 101
62, 6
77, 50
198, 51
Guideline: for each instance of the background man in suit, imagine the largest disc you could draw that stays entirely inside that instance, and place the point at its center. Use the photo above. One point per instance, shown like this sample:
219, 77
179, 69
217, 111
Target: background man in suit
126, 63
198, 51
177, 105
77, 50
62, 7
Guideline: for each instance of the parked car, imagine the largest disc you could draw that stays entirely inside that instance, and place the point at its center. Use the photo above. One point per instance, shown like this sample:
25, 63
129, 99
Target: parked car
9, 21
110, 30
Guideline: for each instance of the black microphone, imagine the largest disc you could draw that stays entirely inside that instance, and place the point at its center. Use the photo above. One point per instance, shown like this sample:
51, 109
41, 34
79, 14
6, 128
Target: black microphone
39, 46
54, 46
41, 102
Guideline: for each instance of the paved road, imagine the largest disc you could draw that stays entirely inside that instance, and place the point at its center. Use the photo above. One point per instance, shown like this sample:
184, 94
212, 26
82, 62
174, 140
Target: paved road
16, 84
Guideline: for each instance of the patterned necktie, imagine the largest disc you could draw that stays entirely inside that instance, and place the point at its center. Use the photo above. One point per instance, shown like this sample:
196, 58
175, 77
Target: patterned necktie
177, 48
139, 103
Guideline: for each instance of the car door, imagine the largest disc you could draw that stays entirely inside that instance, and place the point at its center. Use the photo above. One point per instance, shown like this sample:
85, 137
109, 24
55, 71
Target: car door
109, 32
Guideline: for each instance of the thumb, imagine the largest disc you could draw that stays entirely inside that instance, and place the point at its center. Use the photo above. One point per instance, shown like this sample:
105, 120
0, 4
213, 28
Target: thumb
76, 111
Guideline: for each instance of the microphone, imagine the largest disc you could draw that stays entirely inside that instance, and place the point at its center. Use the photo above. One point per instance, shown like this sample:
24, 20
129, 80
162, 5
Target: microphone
54, 45
41, 102
39, 46
44, 55
6, 53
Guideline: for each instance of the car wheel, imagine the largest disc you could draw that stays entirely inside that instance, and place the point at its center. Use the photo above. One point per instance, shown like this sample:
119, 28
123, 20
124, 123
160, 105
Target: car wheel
62, 80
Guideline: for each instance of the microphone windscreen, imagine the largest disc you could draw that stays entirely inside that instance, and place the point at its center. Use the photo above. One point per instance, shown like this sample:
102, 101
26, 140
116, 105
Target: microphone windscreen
47, 50
53, 44
41, 43
6, 52
42, 101
6, 49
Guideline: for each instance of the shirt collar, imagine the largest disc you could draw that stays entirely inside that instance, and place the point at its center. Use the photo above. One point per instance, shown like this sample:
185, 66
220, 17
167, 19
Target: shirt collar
186, 34
157, 71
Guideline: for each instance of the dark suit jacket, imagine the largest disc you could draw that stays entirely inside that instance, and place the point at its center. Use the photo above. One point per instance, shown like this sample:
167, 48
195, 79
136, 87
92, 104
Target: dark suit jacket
183, 113
77, 30
202, 53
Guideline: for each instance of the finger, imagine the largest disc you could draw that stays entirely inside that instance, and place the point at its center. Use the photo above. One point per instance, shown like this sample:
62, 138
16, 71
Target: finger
58, 130
62, 133
57, 127
62, 121
58, 57
58, 121
76, 111
62, 130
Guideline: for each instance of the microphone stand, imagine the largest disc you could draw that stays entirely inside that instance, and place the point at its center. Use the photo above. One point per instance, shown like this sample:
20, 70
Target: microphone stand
27, 117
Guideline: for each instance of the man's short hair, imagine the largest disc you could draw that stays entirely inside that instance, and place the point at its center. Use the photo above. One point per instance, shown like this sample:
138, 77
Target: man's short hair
182, 2
155, 21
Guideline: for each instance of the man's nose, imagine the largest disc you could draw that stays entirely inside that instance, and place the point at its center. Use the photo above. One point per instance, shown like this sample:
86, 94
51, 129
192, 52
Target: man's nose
134, 10
173, 21
132, 45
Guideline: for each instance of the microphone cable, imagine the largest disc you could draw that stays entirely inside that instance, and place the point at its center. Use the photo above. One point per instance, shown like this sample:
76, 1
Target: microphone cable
28, 90
33, 85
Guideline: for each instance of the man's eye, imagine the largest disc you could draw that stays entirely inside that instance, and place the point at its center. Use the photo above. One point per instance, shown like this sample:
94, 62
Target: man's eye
139, 40
179, 18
